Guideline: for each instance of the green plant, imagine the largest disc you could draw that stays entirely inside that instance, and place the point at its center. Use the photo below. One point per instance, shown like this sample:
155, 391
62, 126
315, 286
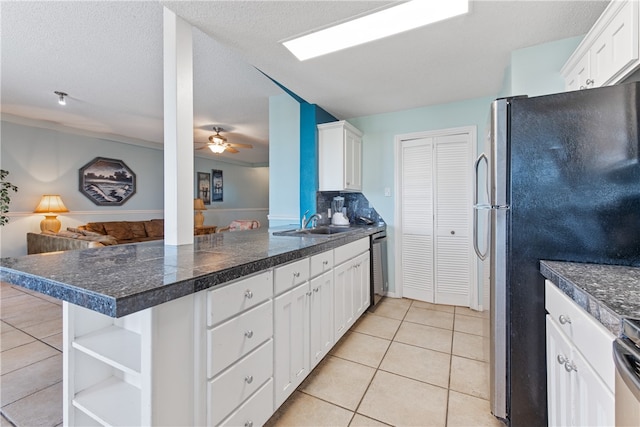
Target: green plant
5, 198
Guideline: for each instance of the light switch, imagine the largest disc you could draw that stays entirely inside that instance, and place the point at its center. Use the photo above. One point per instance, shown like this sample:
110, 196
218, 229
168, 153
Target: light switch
387, 192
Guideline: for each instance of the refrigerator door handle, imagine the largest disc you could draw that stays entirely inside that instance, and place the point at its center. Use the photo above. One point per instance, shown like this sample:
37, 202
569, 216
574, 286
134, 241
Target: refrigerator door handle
480, 255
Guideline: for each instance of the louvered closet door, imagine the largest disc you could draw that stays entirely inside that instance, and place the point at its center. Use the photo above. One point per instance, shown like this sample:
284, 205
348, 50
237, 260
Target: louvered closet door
417, 219
453, 233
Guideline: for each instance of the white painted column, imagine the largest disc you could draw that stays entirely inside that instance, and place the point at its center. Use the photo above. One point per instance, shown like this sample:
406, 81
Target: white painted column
178, 131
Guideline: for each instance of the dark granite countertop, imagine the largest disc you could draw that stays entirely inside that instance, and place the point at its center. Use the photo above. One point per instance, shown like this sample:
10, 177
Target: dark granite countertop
607, 292
123, 279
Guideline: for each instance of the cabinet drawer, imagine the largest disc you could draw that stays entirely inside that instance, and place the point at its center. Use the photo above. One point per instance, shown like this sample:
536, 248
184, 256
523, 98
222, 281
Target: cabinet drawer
254, 412
236, 384
231, 340
290, 275
350, 250
234, 298
321, 263
592, 339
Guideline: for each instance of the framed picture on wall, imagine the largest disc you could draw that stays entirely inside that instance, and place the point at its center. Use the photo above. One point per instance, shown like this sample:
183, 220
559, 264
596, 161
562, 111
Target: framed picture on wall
203, 182
107, 182
217, 189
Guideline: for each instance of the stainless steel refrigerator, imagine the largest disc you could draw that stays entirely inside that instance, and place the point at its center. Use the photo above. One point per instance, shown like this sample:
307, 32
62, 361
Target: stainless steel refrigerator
562, 183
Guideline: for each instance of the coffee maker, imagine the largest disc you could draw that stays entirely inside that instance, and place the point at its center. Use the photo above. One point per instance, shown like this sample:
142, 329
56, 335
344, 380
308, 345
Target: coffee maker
339, 216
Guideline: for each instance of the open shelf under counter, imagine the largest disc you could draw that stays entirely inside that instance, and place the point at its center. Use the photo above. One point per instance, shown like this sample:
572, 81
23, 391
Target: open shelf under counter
112, 402
113, 345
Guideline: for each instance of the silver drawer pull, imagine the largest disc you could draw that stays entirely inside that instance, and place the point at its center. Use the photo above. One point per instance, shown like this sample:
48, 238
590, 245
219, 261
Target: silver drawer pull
248, 333
248, 379
248, 424
562, 359
325, 262
296, 274
315, 290
309, 293
248, 294
564, 319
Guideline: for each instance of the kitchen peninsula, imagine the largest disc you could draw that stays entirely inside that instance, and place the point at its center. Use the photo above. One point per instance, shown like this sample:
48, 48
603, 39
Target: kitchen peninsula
188, 335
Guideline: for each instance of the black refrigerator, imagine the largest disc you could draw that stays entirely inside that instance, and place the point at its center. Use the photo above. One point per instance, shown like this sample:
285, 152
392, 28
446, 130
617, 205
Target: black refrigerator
562, 183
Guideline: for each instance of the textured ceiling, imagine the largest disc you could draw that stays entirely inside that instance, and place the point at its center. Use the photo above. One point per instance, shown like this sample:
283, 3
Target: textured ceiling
108, 57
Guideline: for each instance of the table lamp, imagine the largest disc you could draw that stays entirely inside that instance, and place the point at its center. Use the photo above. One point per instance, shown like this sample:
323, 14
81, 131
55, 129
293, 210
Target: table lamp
50, 205
198, 218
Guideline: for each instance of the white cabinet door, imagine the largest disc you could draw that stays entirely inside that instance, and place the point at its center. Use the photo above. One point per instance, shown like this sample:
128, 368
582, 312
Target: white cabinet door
291, 338
353, 161
594, 403
558, 380
577, 77
321, 317
361, 285
343, 299
577, 396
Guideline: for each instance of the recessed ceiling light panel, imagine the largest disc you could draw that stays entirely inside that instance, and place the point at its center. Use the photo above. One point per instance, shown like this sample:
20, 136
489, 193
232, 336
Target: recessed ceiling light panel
394, 20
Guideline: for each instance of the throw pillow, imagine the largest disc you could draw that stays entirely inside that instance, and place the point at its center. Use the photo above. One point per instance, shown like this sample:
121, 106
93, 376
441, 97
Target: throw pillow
96, 227
154, 228
118, 229
137, 228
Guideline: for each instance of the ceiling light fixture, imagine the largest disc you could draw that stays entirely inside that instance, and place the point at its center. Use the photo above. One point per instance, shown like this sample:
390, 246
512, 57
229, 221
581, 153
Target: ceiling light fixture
394, 20
61, 97
217, 148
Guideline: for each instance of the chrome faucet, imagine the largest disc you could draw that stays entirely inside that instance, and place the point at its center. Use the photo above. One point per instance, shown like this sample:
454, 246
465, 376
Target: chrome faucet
313, 219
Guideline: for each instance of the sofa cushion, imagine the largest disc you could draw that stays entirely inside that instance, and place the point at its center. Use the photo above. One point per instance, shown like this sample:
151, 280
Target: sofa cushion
137, 228
96, 227
118, 229
154, 228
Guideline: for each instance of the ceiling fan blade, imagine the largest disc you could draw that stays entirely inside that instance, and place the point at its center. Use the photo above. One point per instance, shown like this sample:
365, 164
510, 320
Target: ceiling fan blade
233, 144
202, 148
232, 150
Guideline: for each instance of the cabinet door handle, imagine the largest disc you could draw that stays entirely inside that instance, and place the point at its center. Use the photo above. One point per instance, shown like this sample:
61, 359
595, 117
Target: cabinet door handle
248, 423
315, 290
570, 366
309, 293
248, 294
248, 379
564, 319
325, 262
589, 82
453, 232
562, 359
248, 333
296, 274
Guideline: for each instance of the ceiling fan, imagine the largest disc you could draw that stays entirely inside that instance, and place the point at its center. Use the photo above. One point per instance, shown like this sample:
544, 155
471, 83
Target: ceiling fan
218, 143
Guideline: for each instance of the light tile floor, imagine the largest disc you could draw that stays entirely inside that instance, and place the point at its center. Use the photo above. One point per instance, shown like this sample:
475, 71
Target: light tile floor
30, 358
409, 363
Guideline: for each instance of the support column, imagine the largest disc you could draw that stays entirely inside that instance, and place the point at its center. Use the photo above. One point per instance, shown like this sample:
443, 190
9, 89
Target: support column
178, 130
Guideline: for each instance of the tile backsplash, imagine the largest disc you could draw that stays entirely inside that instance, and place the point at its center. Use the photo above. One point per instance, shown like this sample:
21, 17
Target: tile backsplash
356, 203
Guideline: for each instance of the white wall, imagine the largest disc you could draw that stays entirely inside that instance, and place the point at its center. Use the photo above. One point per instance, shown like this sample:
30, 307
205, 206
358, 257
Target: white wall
284, 160
46, 161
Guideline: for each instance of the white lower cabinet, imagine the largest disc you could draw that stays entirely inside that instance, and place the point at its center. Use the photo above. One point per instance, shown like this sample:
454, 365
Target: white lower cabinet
579, 365
351, 285
291, 324
303, 324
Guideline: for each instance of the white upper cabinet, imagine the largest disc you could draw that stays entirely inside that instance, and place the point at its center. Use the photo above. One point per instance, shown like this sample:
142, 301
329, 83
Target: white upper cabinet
609, 52
340, 157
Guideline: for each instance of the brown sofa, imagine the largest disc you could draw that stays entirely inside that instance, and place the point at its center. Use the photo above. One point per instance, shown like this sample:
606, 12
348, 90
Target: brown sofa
96, 234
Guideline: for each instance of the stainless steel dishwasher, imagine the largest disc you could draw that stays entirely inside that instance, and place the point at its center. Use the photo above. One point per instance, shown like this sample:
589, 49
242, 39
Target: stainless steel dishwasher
626, 354
379, 275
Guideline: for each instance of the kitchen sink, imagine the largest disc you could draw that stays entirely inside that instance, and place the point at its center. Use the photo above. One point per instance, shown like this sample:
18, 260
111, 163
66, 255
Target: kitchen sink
322, 231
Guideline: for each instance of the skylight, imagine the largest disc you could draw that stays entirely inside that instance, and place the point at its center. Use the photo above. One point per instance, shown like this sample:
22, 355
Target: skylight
394, 20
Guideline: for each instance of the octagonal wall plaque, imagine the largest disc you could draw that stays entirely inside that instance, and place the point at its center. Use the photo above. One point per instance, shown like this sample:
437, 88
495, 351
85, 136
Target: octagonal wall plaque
107, 182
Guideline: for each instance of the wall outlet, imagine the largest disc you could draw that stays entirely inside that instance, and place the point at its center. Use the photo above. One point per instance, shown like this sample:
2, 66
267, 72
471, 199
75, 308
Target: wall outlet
387, 192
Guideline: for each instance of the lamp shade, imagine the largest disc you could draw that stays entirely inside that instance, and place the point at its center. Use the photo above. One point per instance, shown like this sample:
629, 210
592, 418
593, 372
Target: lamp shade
198, 205
51, 203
